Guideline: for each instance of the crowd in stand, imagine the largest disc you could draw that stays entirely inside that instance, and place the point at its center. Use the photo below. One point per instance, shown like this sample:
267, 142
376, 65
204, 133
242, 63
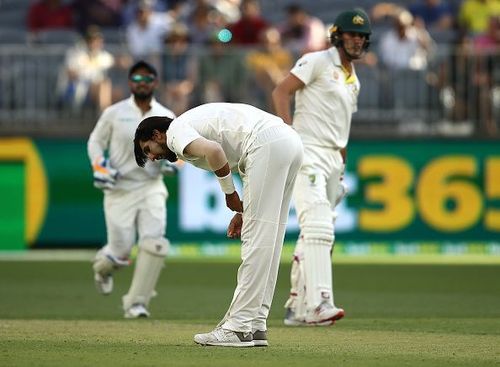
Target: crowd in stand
239, 41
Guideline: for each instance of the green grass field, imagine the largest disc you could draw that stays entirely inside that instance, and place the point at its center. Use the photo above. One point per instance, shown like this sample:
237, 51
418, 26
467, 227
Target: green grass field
396, 315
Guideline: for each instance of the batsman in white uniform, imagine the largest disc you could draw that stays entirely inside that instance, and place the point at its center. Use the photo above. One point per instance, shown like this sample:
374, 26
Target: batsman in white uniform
267, 154
134, 198
326, 89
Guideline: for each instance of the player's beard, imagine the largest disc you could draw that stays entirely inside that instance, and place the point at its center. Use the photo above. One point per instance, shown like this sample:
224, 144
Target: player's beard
143, 96
168, 154
353, 55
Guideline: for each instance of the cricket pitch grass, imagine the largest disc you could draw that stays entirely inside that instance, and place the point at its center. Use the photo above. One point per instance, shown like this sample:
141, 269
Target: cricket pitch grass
396, 315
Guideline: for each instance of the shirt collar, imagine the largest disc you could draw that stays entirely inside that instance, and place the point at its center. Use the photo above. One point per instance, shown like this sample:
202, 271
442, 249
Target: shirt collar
334, 54
131, 101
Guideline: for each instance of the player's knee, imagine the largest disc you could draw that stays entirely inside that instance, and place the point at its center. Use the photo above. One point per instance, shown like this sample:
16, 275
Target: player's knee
317, 227
155, 246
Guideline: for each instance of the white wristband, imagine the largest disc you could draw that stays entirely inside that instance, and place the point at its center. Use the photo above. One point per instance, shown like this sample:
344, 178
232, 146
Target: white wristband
227, 184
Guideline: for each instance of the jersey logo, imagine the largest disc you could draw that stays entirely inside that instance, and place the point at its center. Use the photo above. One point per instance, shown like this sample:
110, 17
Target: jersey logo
302, 63
127, 119
358, 20
312, 179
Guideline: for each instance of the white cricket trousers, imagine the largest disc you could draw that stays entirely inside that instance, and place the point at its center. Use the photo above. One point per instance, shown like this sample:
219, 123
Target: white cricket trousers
268, 172
317, 186
134, 215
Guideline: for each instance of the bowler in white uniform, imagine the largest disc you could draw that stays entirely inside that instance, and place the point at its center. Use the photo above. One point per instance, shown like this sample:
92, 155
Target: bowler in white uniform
267, 154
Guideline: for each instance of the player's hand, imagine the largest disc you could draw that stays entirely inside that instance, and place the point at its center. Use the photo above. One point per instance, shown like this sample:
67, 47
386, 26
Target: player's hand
104, 175
234, 228
168, 169
234, 203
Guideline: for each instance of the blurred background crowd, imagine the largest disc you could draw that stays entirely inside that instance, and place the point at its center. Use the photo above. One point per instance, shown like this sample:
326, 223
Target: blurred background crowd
433, 67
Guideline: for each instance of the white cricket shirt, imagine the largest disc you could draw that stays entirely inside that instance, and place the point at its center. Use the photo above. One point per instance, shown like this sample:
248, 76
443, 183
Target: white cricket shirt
233, 125
324, 107
114, 133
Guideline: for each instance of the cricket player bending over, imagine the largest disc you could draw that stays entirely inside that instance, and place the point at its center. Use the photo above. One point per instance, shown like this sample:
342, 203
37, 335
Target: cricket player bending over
267, 154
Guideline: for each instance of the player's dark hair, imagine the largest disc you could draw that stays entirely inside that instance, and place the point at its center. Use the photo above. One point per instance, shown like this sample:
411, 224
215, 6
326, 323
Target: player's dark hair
142, 65
145, 132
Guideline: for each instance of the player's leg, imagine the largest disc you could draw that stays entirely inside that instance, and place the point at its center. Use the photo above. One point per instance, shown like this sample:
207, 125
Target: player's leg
120, 228
295, 305
295, 152
316, 223
318, 241
150, 261
104, 264
263, 190
153, 249
307, 189
336, 191
262, 203
257, 249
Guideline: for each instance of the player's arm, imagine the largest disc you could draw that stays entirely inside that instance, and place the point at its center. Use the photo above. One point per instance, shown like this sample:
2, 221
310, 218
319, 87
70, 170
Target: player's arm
104, 175
99, 137
213, 153
281, 96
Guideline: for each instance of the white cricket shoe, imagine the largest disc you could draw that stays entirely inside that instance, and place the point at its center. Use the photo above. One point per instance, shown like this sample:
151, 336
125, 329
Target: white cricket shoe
136, 311
225, 338
103, 283
324, 315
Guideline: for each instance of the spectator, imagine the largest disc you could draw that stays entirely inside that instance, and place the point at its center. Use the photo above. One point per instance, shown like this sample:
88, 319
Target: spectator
486, 77
302, 33
489, 41
269, 64
130, 9
435, 14
453, 81
474, 15
178, 69
403, 52
247, 30
146, 33
221, 73
405, 46
178, 11
202, 23
84, 80
103, 13
229, 9
49, 14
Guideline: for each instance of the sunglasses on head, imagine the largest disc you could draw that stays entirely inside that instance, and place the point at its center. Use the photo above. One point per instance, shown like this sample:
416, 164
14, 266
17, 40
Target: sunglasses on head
136, 78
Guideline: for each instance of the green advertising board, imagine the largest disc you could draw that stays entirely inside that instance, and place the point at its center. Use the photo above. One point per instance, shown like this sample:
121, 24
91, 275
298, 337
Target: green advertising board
12, 206
426, 190
400, 192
